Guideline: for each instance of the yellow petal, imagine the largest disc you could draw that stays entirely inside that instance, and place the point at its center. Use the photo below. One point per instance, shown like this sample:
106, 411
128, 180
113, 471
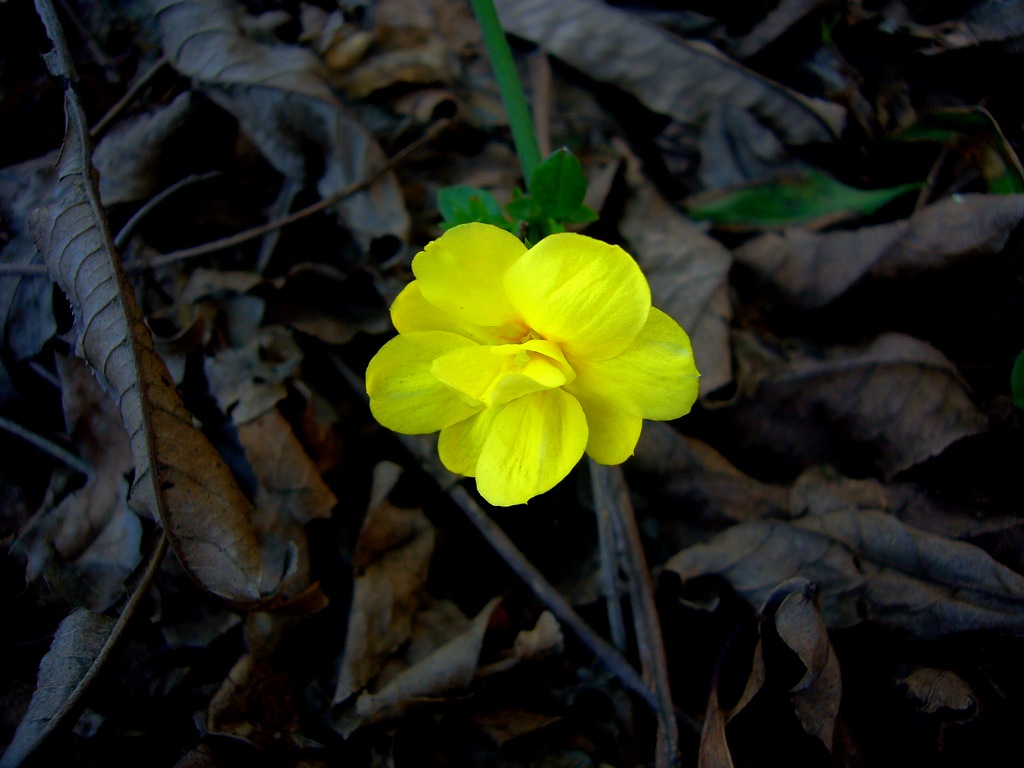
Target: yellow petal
532, 444
404, 395
587, 296
411, 312
459, 445
613, 433
496, 375
655, 378
462, 273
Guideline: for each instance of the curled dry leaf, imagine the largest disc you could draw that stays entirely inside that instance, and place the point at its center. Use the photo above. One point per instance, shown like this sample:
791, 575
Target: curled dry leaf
816, 696
868, 567
179, 477
812, 269
78, 642
391, 559
618, 48
707, 486
280, 96
689, 276
445, 669
897, 401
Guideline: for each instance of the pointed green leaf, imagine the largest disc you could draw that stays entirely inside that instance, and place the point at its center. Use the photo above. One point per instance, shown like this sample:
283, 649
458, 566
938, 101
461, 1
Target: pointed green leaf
1017, 381
558, 185
462, 204
811, 196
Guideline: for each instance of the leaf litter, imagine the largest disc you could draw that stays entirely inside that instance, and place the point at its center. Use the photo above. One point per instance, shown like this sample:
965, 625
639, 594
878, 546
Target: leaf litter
834, 530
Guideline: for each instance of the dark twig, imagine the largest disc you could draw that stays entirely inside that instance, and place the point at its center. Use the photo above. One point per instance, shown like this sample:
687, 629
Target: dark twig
610, 491
133, 93
251, 234
58, 452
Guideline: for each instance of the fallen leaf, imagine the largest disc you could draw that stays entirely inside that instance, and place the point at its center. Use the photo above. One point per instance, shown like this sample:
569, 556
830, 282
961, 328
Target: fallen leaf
133, 159
448, 669
688, 273
281, 97
618, 48
26, 301
699, 480
178, 475
776, 22
79, 640
896, 402
868, 567
506, 725
545, 637
735, 147
816, 696
812, 269
391, 560
934, 690
807, 197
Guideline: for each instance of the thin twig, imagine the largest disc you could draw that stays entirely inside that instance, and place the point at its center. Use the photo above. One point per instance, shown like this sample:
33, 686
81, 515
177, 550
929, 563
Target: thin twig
551, 597
251, 234
115, 111
77, 463
128, 230
609, 556
610, 490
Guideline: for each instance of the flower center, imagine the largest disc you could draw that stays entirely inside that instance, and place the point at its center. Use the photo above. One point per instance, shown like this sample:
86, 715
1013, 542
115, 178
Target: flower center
494, 375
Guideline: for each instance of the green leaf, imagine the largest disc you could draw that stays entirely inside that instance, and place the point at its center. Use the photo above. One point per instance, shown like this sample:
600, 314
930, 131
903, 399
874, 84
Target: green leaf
558, 185
582, 215
1017, 381
803, 198
463, 204
976, 135
523, 208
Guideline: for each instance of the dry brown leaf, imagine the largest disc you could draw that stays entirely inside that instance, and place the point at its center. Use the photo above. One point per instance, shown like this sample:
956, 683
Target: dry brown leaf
281, 98
618, 48
132, 158
289, 494
391, 560
86, 545
709, 488
736, 148
714, 747
934, 690
868, 566
447, 669
78, 642
506, 725
689, 276
812, 269
179, 477
779, 19
897, 401
26, 302
816, 696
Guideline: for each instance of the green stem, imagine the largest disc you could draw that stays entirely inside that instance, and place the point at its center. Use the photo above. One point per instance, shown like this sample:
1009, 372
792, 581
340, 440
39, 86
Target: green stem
512, 95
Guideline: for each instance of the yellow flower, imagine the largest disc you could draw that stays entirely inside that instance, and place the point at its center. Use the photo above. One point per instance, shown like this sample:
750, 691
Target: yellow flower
524, 359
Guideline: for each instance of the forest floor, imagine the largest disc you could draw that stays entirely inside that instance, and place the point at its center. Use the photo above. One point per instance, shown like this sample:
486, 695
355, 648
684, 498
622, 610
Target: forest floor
821, 565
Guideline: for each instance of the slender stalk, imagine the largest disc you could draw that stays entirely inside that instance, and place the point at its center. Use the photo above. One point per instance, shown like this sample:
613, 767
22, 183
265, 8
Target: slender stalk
512, 95
58, 452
